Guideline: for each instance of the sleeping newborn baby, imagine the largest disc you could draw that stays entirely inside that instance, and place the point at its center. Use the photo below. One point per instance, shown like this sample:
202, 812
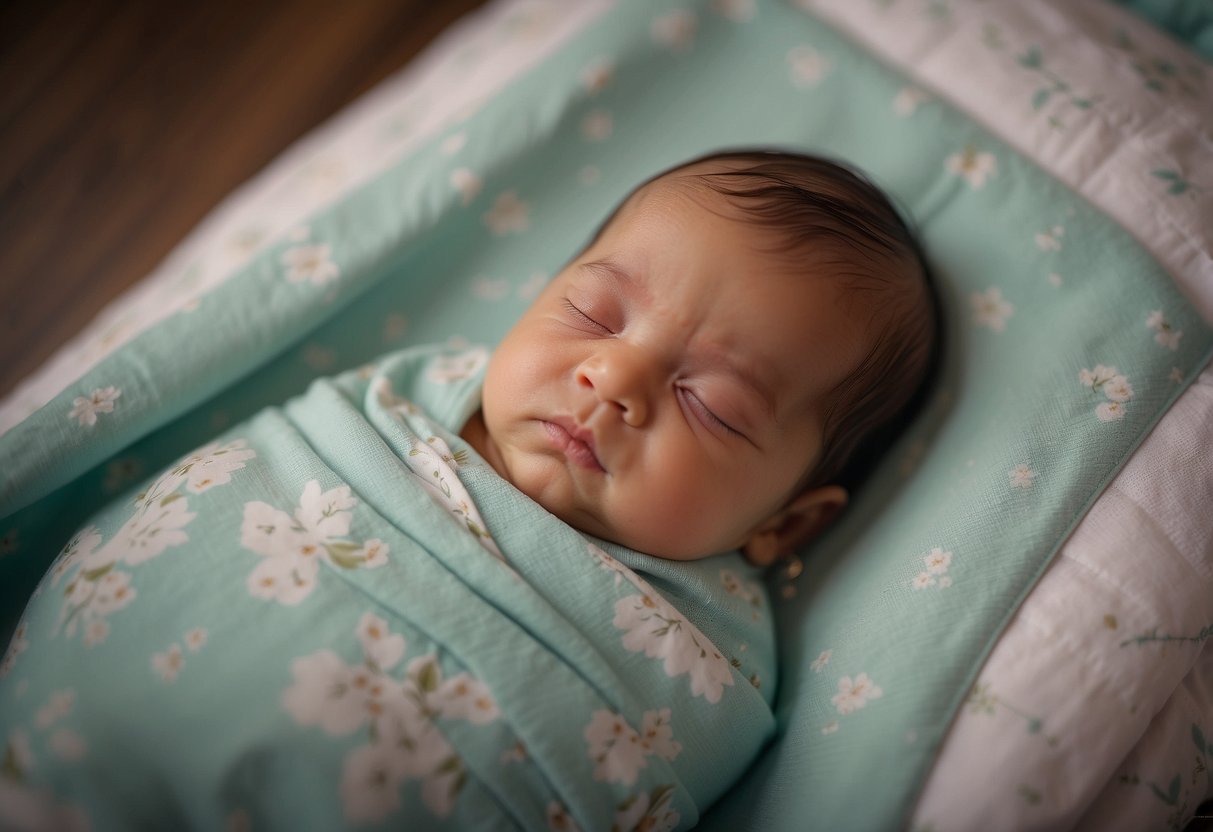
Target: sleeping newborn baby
445, 592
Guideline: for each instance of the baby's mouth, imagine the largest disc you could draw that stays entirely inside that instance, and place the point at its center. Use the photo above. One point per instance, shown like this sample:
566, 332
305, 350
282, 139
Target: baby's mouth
575, 442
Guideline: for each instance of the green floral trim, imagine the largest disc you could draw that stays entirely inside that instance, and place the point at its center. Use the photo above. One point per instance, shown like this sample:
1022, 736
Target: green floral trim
1177, 795
1153, 636
983, 701
1179, 183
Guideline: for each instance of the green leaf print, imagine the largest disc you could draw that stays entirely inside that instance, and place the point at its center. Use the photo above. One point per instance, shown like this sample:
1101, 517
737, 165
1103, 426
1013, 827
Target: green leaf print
342, 553
9, 768
1041, 98
1152, 636
1198, 737
1172, 795
427, 679
1032, 59
1030, 795
91, 575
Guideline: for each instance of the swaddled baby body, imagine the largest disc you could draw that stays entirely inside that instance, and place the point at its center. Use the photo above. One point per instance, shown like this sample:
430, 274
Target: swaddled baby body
452, 589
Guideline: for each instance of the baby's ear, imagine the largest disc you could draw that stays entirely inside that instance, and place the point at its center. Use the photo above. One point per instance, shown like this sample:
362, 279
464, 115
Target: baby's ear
795, 524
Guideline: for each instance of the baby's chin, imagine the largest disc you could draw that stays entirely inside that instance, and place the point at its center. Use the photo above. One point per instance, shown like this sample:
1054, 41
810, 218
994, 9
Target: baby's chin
680, 548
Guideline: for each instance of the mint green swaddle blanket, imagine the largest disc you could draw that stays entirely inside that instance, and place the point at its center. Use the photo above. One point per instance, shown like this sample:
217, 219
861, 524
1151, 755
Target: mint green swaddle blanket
338, 614
1053, 375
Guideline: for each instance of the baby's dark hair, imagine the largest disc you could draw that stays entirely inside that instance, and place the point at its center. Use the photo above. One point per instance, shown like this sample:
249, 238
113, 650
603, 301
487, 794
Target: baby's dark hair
831, 221
829, 217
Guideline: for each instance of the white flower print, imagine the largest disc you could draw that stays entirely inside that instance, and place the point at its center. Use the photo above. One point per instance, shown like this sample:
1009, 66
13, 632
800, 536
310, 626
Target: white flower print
432, 462
68, 745
597, 76
380, 646
508, 215
597, 125
806, 66
615, 748
750, 592
85, 408
819, 663
325, 692
1176, 375
1021, 476
58, 706
1164, 333
95, 632
937, 561
157, 526
467, 183
657, 735
589, 175
655, 627
675, 30
907, 100
738, 11
1118, 389
112, 592
975, 167
923, 580
648, 812
370, 783
830, 727
607, 562
212, 465
991, 309
399, 716
293, 547
453, 143
98, 587
311, 263
855, 694
436, 467
447, 369
195, 639
1115, 388
619, 751
559, 819
487, 288
463, 697
1050, 240
169, 663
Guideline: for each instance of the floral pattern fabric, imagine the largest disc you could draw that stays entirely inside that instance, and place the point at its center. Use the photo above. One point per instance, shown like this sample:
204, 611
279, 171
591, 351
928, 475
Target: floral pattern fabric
436, 213
373, 615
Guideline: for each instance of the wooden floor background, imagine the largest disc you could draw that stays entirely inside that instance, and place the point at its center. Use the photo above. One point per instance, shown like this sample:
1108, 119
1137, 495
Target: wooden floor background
122, 123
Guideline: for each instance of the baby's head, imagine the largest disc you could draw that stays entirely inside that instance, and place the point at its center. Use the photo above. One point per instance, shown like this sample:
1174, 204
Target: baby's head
700, 376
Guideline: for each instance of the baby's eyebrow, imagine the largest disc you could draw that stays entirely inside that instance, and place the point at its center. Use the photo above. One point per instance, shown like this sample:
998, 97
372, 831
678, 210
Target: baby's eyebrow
610, 270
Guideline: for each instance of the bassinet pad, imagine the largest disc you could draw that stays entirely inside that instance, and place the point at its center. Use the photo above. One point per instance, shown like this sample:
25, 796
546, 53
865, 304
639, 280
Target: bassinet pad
1051, 378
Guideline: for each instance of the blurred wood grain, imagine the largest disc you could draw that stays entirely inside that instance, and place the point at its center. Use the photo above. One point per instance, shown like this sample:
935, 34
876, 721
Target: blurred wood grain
123, 123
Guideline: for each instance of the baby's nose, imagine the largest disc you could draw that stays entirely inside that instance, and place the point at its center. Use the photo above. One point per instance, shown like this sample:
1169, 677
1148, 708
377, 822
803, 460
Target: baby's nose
619, 377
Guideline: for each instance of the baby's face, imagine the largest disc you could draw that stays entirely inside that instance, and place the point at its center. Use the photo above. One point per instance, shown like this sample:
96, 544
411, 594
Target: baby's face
666, 390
